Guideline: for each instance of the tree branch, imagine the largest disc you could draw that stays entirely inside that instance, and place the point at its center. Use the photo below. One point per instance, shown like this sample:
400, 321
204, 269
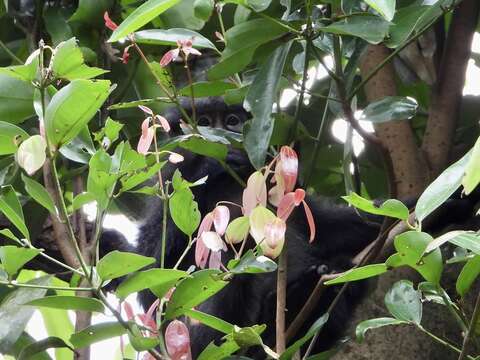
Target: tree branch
447, 94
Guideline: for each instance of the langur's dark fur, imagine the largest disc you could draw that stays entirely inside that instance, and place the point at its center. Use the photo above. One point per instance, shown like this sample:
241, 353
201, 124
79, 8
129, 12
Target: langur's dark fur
251, 299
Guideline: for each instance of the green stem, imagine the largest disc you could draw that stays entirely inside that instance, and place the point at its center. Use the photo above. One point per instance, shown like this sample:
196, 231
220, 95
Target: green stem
232, 173
280, 23
10, 53
65, 266
33, 286
441, 341
171, 97
450, 308
471, 329
185, 252
164, 229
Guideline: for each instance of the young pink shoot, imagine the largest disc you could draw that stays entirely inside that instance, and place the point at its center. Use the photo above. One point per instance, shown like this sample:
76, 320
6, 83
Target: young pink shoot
177, 341
221, 218
108, 22
175, 158
146, 138
184, 47
292, 200
255, 193
214, 243
201, 250
289, 167
263, 224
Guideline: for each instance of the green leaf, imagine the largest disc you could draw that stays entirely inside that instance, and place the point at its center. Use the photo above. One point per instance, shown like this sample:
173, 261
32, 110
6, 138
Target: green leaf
210, 320
316, 327
237, 230
193, 291
360, 273
39, 194
386, 8
9, 136
27, 72
111, 130
13, 258
467, 276
259, 100
411, 247
91, 12
207, 88
67, 62
14, 316
392, 207
242, 41
11, 208
116, 264
29, 351
96, 333
467, 240
390, 108
31, 154
203, 9
251, 264
16, 99
200, 145
142, 15
370, 28
184, 211
69, 303
404, 302
169, 38
81, 148
366, 325
133, 180
471, 179
149, 279
404, 23
140, 342
72, 107
100, 181
441, 188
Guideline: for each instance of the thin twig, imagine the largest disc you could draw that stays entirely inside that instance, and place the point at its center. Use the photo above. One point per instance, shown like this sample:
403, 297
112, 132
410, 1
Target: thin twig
471, 328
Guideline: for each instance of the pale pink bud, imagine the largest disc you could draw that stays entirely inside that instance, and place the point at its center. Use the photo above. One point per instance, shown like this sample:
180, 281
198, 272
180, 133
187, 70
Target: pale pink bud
221, 217
163, 123
175, 158
255, 193
177, 341
275, 232
146, 138
289, 167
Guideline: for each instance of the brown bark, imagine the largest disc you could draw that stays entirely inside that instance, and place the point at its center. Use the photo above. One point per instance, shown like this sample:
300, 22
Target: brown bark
59, 229
397, 136
447, 94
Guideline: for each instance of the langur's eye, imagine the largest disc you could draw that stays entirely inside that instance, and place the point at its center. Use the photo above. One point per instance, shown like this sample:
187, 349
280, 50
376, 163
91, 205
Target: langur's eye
233, 122
205, 120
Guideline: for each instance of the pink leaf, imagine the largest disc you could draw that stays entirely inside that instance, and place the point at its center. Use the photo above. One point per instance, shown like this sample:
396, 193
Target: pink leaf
175, 158
177, 340
311, 221
215, 260
221, 217
299, 196
125, 55
289, 167
168, 57
146, 109
108, 22
255, 193
206, 224
201, 253
275, 232
213, 241
163, 123
286, 206
152, 309
128, 310
146, 138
